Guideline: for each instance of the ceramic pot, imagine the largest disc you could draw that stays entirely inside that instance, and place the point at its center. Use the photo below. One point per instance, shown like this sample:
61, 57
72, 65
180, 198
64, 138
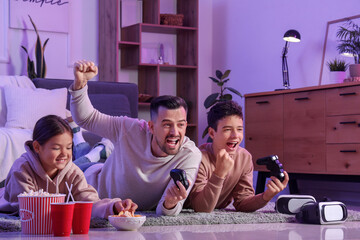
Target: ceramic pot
354, 70
337, 76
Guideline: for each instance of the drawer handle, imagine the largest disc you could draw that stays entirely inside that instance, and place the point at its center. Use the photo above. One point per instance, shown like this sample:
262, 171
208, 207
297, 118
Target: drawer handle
262, 102
348, 151
347, 94
301, 98
350, 122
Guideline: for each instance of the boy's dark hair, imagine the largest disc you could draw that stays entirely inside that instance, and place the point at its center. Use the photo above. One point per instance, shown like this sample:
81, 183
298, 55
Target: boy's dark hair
222, 110
168, 102
48, 127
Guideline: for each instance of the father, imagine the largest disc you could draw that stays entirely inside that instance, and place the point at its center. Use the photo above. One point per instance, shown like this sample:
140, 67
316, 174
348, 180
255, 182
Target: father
144, 153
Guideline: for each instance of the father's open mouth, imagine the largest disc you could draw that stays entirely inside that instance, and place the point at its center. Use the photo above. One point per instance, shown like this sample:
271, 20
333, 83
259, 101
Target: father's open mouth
172, 142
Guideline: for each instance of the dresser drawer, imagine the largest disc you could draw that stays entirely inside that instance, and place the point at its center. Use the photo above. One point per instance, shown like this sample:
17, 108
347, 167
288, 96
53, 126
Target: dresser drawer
343, 158
343, 129
343, 101
264, 127
304, 132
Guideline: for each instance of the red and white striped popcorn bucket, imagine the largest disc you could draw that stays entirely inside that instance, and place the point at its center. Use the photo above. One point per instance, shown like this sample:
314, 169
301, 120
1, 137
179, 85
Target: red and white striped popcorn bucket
35, 213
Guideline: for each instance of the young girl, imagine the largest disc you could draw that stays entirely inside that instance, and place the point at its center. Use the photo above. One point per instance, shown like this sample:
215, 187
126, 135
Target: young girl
47, 165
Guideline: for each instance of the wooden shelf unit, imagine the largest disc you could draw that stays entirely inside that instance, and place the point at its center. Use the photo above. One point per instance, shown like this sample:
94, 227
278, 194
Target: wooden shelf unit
128, 49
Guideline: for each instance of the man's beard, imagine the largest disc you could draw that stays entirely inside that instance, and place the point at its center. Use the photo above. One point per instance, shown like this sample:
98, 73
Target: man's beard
165, 150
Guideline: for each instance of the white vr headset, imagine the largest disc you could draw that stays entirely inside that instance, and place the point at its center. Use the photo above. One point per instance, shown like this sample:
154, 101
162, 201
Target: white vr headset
291, 204
307, 210
322, 213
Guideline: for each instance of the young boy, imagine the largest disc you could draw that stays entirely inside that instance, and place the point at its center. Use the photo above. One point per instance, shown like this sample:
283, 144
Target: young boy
226, 170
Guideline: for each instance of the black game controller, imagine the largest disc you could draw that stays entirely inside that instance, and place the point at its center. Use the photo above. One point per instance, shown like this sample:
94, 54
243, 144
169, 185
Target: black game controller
179, 175
274, 165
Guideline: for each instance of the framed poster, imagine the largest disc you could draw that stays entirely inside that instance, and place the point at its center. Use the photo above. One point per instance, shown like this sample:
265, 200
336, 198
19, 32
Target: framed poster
49, 15
330, 51
3, 31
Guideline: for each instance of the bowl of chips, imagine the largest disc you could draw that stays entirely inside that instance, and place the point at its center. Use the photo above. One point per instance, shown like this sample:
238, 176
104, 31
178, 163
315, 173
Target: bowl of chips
126, 221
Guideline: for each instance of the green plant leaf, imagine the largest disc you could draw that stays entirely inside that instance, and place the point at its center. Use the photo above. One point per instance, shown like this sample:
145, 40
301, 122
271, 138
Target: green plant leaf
226, 74
43, 72
39, 52
226, 80
349, 36
29, 65
210, 100
31, 70
234, 91
219, 74
226, 97
205, 132
214, 80
34, 26
220, 84
39, 55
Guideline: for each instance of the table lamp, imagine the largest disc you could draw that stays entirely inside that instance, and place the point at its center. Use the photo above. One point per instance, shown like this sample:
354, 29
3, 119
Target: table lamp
290, 36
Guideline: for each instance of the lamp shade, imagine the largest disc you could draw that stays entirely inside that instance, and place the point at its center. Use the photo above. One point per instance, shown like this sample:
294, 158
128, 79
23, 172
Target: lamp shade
292, 36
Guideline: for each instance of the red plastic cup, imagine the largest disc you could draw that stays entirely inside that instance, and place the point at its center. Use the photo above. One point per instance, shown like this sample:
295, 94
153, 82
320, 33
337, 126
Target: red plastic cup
62, 216
82, 217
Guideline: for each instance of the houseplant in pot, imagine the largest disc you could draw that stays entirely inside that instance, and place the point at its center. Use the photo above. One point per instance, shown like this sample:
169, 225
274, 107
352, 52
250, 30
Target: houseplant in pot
38, 71
337, 69
220, 80
349, 43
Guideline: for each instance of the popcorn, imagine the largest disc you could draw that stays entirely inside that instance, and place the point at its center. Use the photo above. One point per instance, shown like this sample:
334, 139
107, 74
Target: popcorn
40, 193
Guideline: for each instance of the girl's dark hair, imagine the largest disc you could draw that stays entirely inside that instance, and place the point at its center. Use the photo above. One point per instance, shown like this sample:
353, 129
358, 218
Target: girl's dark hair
48, 127
222, 110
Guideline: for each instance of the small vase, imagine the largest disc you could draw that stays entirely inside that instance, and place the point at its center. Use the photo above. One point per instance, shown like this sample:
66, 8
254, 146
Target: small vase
354, 70
337, 76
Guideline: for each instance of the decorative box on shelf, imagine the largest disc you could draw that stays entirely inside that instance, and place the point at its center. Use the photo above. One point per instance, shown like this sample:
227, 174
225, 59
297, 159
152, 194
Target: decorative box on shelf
172, 19
145, 97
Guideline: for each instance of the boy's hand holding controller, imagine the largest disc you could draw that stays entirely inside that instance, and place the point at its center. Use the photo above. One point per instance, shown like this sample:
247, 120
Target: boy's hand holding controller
83, 72
177, 192
224, 162
279, 177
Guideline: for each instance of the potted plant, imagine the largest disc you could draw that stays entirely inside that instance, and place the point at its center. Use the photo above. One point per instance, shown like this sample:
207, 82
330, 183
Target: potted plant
337, 69
40, 71
349, 43
220, 80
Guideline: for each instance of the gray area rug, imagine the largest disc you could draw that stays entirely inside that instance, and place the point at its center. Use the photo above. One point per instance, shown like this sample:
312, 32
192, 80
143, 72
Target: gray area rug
189, 217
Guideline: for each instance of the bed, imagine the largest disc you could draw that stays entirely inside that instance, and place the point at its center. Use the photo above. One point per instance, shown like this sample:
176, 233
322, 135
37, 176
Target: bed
23, 102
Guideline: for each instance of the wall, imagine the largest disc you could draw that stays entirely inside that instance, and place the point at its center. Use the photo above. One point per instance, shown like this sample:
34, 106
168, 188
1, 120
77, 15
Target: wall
62, 49
247, 38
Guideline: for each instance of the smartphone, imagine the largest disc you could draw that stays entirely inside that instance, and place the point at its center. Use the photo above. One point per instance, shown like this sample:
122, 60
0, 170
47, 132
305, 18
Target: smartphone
179, 175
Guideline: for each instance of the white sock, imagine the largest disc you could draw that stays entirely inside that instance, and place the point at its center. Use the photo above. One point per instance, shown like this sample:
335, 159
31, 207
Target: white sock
94, 154
78, 137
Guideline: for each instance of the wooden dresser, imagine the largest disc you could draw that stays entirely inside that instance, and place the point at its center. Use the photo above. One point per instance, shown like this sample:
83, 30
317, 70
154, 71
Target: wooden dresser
315, 131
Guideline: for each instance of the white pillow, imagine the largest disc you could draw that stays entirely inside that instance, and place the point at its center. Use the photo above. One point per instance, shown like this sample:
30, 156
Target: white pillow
6, 80
26, 106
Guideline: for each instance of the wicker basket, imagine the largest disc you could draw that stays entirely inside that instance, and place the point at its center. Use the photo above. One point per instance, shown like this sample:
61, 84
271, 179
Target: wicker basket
172, 19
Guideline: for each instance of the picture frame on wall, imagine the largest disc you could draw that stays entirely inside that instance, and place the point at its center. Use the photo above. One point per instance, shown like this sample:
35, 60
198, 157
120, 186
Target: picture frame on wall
330, 51
51, 16
4, 9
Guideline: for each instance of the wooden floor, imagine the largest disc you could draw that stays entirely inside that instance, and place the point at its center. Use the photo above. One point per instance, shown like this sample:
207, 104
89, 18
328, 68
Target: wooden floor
288, 231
